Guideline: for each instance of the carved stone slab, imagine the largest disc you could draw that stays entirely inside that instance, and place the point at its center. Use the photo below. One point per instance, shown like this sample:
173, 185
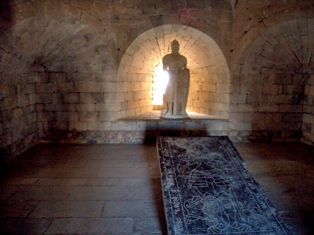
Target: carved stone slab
207, 190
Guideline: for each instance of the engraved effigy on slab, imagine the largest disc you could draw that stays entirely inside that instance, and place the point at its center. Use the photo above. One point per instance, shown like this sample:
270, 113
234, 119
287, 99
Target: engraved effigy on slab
207, 190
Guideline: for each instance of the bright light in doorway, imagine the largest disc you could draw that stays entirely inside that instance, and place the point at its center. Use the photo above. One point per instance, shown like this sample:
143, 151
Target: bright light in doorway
160, 82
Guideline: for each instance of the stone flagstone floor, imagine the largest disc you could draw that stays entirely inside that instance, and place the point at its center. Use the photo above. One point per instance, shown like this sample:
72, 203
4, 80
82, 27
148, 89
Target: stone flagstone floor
115, 189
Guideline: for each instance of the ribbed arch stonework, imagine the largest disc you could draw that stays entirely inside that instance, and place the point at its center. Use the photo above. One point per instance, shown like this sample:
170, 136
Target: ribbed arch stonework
271, 79
287, 47
276, 63
209, 89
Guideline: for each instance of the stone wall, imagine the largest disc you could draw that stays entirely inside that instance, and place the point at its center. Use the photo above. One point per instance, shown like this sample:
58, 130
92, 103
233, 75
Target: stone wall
308, 116
270, 77
70, 70
209, 92
272, 102
21, 120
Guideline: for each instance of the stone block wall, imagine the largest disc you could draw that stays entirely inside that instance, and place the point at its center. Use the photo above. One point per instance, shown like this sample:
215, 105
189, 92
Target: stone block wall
134, 95
268, 102
21, 121
95, 64
76, 105
308, 116
271, 73
135, 76
209, 92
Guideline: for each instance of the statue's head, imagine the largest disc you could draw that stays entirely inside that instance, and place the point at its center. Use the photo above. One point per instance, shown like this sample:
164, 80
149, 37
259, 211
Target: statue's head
175, 46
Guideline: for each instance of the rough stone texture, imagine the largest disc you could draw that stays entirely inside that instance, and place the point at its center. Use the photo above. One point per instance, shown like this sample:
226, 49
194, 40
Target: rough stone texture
271, 77
21, 126
271, 64
308, 115
76, 67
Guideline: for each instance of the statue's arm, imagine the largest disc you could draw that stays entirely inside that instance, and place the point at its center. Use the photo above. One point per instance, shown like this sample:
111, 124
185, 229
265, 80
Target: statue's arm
185, 64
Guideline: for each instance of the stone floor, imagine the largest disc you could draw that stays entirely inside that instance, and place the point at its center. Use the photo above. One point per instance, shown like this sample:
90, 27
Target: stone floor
115, 189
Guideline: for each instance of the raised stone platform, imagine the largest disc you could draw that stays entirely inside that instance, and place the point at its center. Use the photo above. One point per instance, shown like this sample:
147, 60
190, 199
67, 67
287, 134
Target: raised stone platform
156, 115
147, 127
207, 190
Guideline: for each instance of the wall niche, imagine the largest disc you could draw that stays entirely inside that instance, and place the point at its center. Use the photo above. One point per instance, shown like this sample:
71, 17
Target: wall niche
210, 77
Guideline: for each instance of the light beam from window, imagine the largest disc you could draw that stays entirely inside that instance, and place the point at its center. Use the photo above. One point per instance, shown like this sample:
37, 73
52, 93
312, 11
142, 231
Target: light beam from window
160, 82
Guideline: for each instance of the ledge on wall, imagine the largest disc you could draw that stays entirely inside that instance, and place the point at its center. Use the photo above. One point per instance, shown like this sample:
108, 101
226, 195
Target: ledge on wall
155, 115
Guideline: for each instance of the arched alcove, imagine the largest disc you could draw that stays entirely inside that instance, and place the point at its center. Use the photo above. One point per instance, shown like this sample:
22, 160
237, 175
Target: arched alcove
283, 48
210, 78
270, 85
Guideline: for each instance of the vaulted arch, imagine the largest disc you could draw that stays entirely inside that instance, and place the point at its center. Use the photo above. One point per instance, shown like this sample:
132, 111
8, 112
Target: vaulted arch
209, 89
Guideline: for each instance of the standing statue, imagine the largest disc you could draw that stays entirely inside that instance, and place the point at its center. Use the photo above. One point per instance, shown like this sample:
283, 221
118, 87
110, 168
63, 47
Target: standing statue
176, 95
